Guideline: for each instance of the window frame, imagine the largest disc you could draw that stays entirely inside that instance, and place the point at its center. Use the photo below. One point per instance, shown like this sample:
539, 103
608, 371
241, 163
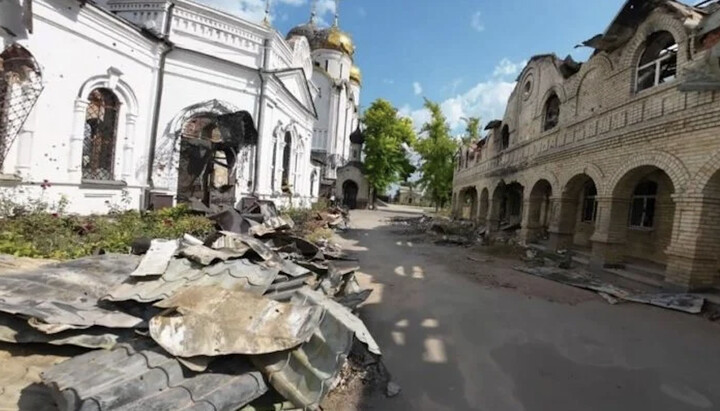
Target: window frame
92, 174
656, 63
647, 200
587, 198
552, 97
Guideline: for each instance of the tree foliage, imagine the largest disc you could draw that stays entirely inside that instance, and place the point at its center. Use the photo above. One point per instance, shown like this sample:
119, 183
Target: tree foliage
436, 149
472, 130
386, 138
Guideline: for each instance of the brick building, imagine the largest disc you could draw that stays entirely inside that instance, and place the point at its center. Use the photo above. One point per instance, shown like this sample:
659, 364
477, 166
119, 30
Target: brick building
618, 156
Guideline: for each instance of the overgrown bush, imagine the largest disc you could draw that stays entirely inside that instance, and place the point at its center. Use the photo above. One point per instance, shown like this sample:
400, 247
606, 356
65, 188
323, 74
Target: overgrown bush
43, 234
307, 223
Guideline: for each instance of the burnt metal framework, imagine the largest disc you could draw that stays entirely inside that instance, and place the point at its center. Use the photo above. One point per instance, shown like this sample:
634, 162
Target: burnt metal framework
209, 148
101, 122
20, 88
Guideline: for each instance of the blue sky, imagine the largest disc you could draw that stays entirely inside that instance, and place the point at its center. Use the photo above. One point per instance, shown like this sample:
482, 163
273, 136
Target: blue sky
464, 54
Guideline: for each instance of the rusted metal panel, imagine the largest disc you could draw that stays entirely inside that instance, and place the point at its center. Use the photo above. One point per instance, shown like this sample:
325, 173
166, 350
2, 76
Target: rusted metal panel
213, 321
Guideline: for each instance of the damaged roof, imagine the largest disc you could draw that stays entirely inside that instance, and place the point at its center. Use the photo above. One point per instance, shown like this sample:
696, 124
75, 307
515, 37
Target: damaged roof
634, 12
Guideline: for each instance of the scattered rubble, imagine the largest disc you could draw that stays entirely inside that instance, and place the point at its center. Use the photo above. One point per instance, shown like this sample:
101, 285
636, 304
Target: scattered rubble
251, 317
613, 294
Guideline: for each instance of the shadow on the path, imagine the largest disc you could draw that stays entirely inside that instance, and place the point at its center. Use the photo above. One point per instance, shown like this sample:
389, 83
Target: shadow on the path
410, 337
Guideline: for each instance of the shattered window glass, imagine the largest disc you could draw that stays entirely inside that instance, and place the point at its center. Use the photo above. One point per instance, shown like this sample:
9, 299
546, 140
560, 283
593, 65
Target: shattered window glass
552, 112
642, 208
100, 135
589, 211
658, 63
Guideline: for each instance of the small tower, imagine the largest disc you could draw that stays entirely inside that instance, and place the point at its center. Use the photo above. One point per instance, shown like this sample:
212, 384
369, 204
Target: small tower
357, 139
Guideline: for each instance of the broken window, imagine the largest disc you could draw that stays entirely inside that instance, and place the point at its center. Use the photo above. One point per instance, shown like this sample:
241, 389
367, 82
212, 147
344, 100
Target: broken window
100, 134
589, 208
467, 158
642, 208
505, 137
552, 112
658, 63
286, 163
20, 87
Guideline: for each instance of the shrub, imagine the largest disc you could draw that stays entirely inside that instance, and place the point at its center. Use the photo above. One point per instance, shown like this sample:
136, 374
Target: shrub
51, 235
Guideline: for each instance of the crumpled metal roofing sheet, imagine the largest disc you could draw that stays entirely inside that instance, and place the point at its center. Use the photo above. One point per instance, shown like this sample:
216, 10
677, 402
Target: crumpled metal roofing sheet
156, 260
67, 293
232, 275
16, 330
138, 377
306, 374
343, 314
212, 321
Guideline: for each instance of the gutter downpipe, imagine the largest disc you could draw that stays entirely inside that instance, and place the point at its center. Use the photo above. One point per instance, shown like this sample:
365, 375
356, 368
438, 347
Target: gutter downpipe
261, 111
158, 102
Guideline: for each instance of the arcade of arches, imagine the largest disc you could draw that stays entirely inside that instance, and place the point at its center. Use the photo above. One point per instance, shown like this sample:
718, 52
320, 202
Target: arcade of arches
635, 219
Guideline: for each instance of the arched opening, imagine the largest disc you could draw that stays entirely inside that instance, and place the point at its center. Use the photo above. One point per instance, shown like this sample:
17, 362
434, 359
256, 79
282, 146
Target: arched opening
20, 87
101, 122
507, 205
504, 137
552, 112
642, 214
484, 206
469, 198
350, 193
539, 211
286, 163
658, 63
577, 214
206, 169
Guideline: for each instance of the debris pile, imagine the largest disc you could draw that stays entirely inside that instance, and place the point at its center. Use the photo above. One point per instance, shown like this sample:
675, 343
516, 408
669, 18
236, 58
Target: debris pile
442, 230
252, 316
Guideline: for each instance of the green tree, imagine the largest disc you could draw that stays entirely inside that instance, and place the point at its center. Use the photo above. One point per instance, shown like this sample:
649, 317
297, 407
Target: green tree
472, 131
436, 148
387, 138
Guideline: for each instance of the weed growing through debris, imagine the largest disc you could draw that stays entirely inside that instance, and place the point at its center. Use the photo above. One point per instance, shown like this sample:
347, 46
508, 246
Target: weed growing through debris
309, 222
43, 234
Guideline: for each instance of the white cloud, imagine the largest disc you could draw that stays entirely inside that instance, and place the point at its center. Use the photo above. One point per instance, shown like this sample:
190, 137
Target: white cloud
254, 10
417, 88
507, 68
476, 22
485, 99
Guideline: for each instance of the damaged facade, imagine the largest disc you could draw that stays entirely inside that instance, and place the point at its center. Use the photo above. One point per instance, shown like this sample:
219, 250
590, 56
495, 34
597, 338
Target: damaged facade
149, 103
619, 156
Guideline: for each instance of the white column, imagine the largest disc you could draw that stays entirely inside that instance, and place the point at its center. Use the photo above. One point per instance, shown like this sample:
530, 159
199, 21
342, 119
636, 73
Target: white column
129, 147
25, 145
76, 140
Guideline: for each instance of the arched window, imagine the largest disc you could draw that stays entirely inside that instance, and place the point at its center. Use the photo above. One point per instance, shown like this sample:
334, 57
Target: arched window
20, 87
658, 63
467, 158
505, 137
552, 112
589, 210
642, 208
286, 162
100, 134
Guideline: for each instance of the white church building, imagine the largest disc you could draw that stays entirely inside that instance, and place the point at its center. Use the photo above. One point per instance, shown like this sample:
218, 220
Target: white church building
148, 103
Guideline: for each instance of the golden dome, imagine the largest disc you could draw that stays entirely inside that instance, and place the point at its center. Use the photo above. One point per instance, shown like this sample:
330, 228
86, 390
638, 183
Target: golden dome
334, 39
355, 74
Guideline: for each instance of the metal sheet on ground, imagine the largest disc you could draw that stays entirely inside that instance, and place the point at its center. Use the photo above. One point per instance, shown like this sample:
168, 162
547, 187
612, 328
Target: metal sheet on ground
213, 321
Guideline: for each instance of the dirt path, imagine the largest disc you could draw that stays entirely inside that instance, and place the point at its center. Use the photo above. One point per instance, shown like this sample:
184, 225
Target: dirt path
459, 334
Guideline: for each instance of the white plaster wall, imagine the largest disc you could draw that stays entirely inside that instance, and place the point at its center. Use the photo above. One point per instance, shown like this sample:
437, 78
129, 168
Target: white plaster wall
73, 45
